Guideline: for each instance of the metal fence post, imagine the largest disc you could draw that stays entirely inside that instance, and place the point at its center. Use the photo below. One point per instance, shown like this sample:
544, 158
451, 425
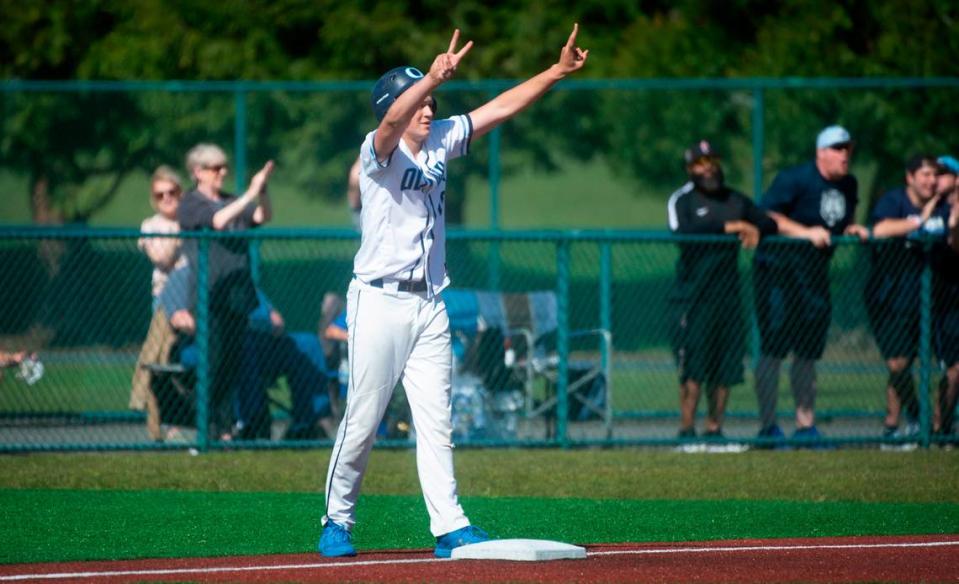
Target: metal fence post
239, 138
606, 314
759, 133
203, 346
494, 179
925, 335
562, 340
239, 147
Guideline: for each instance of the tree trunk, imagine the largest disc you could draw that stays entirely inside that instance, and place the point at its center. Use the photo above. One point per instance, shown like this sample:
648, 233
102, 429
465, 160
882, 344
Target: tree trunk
50, 251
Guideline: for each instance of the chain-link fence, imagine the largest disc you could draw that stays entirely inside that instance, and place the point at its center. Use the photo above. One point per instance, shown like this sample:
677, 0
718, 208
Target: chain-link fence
558, 338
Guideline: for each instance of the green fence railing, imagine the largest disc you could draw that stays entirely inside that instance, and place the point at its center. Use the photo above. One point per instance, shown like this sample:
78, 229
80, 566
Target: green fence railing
568, 341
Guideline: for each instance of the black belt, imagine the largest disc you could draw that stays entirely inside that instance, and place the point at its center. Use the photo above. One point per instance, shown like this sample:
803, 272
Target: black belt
403, 285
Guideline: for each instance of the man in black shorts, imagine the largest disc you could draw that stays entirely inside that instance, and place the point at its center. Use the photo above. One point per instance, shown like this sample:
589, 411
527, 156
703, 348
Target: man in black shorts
812, 201
711, 338
902, 217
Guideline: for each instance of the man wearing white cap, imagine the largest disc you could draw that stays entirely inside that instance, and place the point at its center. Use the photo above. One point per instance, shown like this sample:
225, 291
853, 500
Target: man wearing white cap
812, 201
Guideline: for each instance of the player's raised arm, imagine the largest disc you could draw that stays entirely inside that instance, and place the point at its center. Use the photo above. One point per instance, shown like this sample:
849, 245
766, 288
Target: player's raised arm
396, 120
511, 102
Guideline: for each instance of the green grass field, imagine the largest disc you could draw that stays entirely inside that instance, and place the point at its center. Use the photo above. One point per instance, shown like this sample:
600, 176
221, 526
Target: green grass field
111, 506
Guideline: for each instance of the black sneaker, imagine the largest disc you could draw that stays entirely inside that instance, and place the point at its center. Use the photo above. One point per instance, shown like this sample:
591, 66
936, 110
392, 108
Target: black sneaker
686, 434
714, 436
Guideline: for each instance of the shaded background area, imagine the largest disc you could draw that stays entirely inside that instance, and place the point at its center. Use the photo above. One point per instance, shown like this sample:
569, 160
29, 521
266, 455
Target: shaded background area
83, 156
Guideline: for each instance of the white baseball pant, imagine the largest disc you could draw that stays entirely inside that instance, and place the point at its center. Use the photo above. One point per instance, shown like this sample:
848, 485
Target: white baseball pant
396, 336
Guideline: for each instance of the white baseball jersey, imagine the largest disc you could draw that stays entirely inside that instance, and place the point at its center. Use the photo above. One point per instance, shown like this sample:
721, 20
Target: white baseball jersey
404, 227
396, 335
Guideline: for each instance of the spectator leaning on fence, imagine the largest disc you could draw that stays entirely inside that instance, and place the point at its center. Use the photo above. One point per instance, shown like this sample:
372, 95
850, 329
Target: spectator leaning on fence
230, 282
893, 290
945, 321
710, 340
166, 189
947, 184
813, 201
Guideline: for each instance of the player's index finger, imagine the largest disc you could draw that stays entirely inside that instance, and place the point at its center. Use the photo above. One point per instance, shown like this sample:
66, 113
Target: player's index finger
464, 50
454, 40
572, 36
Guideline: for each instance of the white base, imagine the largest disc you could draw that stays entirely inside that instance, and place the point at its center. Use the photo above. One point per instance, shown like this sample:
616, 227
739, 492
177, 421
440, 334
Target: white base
522, 550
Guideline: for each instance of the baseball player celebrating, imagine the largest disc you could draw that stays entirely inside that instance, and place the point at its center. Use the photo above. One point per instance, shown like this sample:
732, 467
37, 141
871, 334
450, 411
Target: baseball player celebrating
397, 321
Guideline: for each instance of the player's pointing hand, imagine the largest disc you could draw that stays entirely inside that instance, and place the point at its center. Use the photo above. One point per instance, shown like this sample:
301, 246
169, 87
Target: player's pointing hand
572, 58
445, 63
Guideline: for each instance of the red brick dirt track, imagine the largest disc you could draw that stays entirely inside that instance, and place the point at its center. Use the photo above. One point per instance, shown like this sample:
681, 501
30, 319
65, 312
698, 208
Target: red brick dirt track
848, 559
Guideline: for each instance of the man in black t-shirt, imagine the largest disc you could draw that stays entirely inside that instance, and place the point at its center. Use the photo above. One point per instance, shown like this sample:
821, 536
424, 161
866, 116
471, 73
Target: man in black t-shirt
710, 342
902, 217
232, 295
813, 201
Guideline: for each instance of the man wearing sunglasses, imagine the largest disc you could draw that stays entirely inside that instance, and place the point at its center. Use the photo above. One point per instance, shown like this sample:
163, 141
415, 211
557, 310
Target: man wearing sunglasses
232, 294
813, 201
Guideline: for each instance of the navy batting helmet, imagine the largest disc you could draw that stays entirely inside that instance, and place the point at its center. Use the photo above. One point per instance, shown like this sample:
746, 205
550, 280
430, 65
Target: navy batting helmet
390, 86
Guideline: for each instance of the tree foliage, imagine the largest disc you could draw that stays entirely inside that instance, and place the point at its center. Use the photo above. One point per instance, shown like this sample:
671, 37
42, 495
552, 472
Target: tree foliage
64, 141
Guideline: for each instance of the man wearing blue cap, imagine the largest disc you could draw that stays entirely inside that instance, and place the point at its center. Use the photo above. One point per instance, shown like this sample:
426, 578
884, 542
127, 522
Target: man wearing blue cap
946, 179
945, 266
812, 201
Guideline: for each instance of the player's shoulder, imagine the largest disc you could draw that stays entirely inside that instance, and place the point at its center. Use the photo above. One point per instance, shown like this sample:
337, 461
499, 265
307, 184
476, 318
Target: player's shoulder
444, 126
367, 146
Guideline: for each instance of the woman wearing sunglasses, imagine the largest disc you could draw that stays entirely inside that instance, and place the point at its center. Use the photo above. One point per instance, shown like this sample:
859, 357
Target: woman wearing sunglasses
164, 252
166, 255
232, 294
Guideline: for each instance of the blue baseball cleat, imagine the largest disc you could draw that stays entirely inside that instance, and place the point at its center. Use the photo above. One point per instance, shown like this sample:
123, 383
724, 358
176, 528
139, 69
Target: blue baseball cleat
775, 435
336, 541
812, 437
454, 539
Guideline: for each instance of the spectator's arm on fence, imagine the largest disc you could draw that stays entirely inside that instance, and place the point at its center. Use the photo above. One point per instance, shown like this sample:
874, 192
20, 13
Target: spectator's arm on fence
896, 227
818, 236
759, 218
747, 232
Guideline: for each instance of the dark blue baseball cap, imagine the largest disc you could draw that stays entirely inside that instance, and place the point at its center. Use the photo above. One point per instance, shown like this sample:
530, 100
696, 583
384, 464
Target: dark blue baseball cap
390, 86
